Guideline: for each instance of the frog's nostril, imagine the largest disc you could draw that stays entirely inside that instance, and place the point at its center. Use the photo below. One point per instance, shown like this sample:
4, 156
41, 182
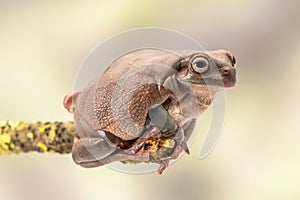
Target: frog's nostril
225, 71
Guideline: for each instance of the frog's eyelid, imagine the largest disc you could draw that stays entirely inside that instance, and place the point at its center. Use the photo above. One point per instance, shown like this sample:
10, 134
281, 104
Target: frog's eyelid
184, 60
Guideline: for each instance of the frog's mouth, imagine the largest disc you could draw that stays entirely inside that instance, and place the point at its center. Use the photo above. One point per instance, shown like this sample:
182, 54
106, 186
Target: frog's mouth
226, 82
226, 78
229, 84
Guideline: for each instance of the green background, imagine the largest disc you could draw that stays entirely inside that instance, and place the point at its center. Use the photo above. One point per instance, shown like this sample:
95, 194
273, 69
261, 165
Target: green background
43, 43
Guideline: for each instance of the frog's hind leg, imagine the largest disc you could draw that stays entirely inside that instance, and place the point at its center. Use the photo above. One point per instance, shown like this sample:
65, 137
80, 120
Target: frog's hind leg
87, 150
97, 151
119, 155
134, 153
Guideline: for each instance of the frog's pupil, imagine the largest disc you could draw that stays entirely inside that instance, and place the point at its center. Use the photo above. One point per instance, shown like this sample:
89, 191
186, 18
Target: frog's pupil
201, 64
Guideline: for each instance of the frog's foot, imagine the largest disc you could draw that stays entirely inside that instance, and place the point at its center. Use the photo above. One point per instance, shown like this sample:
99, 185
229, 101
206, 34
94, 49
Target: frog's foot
152, 132
181, 144
177, 151
179, 148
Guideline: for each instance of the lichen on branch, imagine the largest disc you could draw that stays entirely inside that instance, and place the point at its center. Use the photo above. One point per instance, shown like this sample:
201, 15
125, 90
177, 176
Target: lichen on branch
19, 136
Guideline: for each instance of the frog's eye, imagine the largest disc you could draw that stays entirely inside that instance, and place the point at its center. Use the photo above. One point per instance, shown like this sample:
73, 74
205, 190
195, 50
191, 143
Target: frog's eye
200, 65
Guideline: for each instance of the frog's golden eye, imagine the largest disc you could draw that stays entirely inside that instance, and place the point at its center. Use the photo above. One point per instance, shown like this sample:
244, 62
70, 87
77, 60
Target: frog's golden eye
200, 65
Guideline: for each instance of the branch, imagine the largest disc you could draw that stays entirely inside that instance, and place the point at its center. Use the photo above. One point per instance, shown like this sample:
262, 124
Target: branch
58, 137
19, 136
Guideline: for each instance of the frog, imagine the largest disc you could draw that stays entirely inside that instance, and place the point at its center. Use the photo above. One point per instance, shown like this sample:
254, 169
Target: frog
147, 96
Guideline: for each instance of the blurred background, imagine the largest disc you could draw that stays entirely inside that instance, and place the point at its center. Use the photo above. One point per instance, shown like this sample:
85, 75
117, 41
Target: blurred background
43, 43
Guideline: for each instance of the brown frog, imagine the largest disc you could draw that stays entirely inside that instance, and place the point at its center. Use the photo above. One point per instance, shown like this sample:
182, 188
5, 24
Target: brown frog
146, 97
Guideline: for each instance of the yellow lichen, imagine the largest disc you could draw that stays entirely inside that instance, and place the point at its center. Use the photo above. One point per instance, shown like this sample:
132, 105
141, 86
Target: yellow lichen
43, 128
42, 147
51, 135
15, 124
5, 138
12, 146
168, 143
18, 136
5, 146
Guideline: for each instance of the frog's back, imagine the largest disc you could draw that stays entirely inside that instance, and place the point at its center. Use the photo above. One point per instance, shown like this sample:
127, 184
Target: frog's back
126, 91
137, 59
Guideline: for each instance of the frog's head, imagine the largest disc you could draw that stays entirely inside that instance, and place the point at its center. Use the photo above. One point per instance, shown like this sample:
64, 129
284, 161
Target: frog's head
215, 68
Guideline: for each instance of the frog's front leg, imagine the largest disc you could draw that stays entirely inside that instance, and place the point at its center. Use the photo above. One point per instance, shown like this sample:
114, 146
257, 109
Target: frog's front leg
181, 145
159, 117
182, 134
187, 129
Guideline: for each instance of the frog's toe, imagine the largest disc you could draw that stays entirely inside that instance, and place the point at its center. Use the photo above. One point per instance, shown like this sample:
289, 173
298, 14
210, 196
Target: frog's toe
185, 147
163, 166
179, 148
